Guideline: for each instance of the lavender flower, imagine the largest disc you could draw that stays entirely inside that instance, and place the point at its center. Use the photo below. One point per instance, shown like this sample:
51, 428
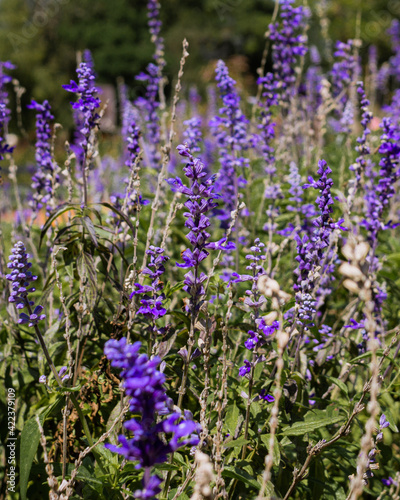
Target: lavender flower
254, 300
230, 126
278, 86
130, 133
200, 200
344, 71
154, 23
4, 111
152, 78
87, 102
383, 423
148, 105
86, 116
144, 384
362, 148
310, 250
394, 62
46, 178
21, 278
192, 134
287, 45
378, 196
152, 296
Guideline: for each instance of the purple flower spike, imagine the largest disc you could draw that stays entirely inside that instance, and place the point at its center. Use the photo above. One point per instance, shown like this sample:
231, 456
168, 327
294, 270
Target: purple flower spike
151, 295
230, 127
311, 250
46, 179
4, 111
20, 278
143, 383
86, 116
200, 200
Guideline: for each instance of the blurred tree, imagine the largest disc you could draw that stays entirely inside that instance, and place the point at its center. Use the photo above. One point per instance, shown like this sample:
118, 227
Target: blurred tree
42, 37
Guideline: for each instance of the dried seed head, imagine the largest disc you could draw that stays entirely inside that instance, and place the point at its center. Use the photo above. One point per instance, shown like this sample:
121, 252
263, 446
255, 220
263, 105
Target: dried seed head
351, 286
351, 271
348, 251
361, 252
268, 286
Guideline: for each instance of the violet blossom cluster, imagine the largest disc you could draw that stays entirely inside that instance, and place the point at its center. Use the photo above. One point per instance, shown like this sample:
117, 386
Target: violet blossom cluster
288, 43
4, 110
311, 249
154, 23
372, 463
149, 103
21, 278
230, 127
254, 300
45, 179
152, 295
304, 211
378, 195
152, 439
344, 71
362, 147
192, 134
86, 116
377, 198
394, 61
200, 200
393, 69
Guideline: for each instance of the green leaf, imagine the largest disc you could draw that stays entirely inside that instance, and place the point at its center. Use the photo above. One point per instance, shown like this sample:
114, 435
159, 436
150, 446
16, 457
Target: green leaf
342, 386
299, 428
255, 408
231, 418
53, 217
30, 438
87, 271
240, 475
181, 316
368, 354
172, 289
87, 222
236, 443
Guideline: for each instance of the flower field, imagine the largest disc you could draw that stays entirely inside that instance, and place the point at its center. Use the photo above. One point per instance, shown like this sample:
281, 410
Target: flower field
204, 303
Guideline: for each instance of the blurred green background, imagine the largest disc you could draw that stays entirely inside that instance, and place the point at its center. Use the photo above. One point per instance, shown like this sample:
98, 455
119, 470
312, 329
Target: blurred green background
42, 37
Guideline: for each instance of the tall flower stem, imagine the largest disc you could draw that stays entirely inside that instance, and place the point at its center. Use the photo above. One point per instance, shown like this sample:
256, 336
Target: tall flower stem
190, 343
247, 418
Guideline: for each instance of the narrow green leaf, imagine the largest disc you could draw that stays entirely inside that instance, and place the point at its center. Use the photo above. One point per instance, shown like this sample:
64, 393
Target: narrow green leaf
53, 217
231, 418
368, 354
86, 221
342, 386
30, 438
299, 428
236, 443
240, 475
